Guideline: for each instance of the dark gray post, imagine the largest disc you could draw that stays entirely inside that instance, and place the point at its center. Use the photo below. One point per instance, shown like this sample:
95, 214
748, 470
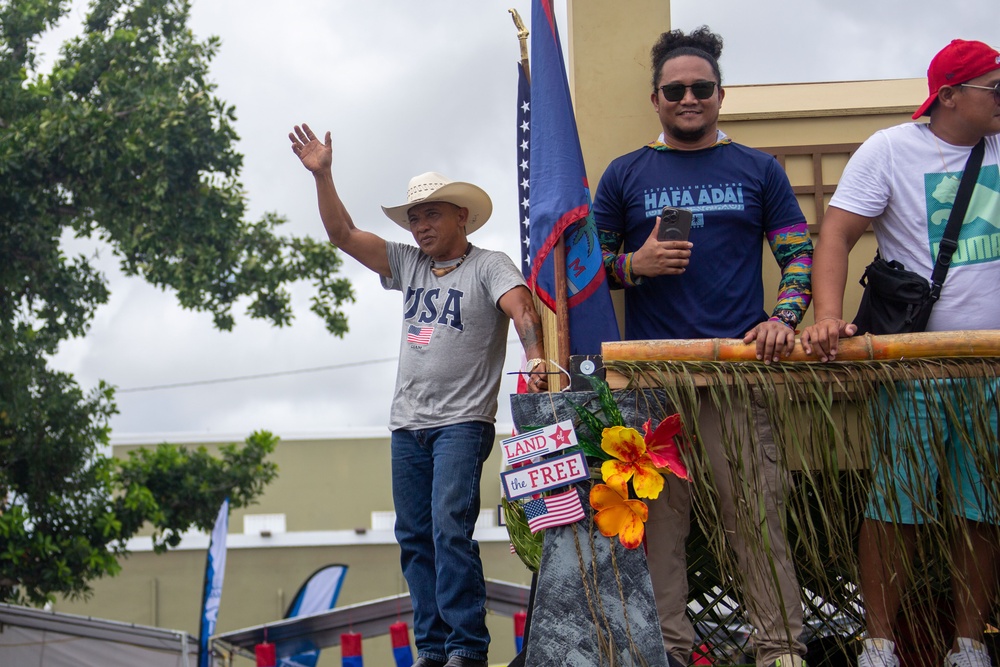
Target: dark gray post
594, 602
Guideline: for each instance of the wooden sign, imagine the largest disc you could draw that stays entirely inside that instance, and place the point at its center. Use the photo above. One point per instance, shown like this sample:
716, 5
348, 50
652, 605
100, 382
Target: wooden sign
547, 440
550, 474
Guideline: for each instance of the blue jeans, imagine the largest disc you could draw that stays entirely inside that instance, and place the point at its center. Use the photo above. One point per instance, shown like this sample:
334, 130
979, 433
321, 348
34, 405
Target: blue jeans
435, 490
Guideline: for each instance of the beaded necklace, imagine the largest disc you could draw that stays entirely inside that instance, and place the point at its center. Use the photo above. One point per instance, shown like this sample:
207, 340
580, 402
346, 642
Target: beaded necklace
442, 271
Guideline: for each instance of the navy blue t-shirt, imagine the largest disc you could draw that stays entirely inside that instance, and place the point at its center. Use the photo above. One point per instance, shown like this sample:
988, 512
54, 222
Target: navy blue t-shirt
738, 195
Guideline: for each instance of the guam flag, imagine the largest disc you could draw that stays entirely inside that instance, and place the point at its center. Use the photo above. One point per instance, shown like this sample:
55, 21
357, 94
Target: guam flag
560, 196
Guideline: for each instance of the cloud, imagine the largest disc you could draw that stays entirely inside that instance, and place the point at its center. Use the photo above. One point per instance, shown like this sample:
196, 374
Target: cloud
813, 40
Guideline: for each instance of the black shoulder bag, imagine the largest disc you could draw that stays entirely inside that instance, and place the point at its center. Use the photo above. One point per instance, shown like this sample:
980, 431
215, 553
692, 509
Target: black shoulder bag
896, 300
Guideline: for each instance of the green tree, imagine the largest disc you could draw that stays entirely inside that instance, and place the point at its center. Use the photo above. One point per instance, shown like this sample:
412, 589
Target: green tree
124, 142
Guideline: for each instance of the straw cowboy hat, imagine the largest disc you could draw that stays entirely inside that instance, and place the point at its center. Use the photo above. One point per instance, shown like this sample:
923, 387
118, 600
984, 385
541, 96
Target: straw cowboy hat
432, 186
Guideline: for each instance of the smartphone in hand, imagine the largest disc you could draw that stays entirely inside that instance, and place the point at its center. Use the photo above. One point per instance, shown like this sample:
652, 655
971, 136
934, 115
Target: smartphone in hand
675, 224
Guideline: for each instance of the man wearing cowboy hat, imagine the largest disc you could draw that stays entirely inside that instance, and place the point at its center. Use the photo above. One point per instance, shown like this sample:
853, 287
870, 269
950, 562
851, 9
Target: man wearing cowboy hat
458, 300
903, 182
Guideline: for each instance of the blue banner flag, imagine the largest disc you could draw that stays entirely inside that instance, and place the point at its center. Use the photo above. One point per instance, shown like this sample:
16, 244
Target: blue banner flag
215, 570
319, 593
560, 196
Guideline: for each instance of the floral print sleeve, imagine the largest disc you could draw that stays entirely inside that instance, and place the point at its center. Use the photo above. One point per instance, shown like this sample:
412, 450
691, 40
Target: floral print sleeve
617, 267
793, 250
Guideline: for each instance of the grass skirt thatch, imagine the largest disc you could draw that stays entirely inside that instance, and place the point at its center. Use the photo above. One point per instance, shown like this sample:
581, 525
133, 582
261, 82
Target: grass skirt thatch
830, 423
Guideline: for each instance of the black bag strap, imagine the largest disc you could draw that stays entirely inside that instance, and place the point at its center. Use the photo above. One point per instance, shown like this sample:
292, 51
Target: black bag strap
949, 240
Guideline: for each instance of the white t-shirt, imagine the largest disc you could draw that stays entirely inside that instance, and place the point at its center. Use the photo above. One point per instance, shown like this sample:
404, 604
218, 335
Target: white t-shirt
906, 179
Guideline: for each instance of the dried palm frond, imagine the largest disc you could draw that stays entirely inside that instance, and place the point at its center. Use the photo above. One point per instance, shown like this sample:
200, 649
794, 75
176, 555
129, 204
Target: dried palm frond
831, 422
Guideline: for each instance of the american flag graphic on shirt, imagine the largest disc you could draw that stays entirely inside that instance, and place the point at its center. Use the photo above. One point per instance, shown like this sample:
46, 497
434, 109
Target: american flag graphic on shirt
419, 335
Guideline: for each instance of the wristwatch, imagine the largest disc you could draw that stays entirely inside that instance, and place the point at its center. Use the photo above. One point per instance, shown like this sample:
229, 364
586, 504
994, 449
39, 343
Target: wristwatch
530, 364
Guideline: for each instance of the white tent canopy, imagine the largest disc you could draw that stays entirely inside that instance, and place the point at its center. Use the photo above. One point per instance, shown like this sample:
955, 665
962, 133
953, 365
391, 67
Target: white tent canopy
36, 638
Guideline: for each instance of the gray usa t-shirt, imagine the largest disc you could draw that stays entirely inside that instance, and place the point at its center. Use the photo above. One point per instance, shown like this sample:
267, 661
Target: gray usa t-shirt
453, 337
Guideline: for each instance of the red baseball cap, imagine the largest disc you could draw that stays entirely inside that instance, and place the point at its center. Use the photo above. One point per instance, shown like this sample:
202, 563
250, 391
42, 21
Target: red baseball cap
957, 63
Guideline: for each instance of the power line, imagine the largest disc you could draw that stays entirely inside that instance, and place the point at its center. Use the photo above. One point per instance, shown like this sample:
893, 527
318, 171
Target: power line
258, 376
262, 376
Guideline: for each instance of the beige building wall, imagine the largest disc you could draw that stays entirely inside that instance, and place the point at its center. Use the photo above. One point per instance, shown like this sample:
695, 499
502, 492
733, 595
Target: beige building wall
610, 76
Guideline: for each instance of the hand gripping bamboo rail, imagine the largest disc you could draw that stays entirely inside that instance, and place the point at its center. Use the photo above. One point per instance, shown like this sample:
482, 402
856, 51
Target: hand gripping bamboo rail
860, 348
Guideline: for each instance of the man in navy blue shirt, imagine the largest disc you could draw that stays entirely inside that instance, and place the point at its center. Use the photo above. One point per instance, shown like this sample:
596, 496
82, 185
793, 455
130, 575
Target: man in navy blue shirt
711, 286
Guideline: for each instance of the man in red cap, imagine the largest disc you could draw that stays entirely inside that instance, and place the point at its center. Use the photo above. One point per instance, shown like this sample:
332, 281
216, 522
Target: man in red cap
903, 182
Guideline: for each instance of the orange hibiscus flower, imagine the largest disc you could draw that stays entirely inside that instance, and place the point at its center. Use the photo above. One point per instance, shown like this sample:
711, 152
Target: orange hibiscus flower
617, 515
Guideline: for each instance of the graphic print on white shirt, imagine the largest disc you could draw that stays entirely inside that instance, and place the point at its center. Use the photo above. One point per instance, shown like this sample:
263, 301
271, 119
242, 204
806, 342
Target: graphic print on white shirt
979, 240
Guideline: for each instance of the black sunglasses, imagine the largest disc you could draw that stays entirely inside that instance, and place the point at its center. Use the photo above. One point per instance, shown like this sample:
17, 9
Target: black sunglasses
674, 92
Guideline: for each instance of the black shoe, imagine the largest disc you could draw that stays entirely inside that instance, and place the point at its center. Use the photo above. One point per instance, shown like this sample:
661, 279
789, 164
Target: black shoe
428, 662
462, 661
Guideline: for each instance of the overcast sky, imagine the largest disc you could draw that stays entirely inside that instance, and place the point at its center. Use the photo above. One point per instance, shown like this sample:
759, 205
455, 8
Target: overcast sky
406, 87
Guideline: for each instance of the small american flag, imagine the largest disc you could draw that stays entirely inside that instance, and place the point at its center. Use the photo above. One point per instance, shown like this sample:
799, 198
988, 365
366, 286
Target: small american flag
419, 335
558, 510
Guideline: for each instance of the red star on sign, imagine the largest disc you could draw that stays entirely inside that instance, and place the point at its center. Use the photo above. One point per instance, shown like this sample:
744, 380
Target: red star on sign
561, 436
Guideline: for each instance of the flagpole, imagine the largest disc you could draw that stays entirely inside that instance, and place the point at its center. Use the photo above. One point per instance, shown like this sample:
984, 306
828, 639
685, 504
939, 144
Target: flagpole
522, 37
562, 311
558, 381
